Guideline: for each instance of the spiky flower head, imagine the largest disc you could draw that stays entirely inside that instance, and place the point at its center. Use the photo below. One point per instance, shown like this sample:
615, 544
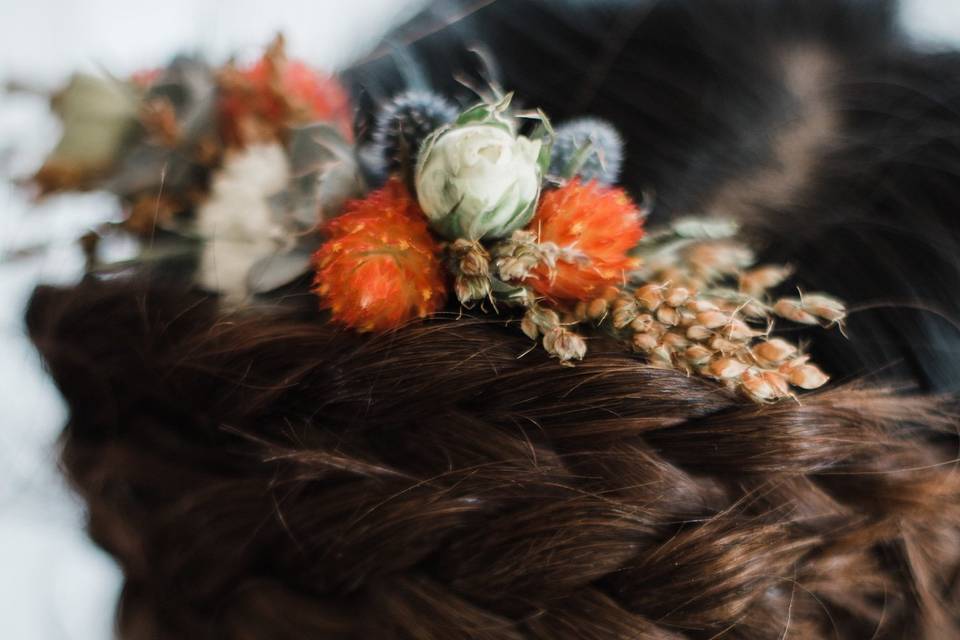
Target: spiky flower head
404, 123
379, 267
259, 101
589, 148
596, 224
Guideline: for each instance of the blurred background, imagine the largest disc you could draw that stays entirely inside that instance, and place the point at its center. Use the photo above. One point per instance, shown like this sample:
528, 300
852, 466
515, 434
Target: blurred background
54, 584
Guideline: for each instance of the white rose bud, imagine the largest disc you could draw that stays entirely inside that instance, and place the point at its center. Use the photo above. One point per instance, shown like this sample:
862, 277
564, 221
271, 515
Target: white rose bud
478, 180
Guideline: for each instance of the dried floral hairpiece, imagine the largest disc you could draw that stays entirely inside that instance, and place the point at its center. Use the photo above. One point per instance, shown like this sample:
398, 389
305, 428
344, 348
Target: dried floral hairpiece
490, 205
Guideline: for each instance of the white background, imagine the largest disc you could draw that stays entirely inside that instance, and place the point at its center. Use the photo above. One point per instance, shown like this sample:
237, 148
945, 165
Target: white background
54, 585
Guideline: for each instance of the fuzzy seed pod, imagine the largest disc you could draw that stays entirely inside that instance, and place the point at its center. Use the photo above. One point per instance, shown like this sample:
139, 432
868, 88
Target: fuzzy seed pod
404, 123
668, 316
601, 161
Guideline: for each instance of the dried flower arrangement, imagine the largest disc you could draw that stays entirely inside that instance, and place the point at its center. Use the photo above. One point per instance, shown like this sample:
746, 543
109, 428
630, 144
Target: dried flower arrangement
255, 169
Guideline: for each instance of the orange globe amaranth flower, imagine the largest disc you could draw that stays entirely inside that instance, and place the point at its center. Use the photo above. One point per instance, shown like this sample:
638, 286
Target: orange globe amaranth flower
598, 226
274, 93
380, 266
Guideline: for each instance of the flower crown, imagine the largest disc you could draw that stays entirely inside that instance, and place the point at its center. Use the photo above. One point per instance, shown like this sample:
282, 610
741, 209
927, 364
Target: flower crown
254, 173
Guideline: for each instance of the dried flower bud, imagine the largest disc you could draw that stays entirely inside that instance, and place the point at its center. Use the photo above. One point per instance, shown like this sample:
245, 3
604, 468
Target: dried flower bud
699, 332
712, 319
644, 342
649, 296
677, 296
774, 352
727, 368
792, 309
757, 281
808, 376
564, 344
668, 316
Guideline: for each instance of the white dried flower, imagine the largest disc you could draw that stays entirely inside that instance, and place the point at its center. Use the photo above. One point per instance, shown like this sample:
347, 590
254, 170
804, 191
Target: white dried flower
236, 221
478, 181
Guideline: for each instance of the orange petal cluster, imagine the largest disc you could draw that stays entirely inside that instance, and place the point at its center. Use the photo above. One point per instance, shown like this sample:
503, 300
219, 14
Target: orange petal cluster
600, 224
276, 92
380, 266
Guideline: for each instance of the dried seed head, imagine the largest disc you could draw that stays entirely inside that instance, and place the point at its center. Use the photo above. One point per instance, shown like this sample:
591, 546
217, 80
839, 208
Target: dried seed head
792, 309
564, 344
699, 332
712, 319
674, 340
762, 387
756, 281
597, 309
472, 258
642, 322
624, 314
823, 306
661, 356
610, 294
699, 305
727, 368
668, 316
470, 288
754, 309
580, 311
677, 296
698, 355
529, 326
649, 296
738, 330
774, 352
808, 376
644, 342
721, 344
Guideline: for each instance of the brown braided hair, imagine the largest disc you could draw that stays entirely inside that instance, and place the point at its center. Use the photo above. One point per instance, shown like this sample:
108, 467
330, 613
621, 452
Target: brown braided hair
265, 475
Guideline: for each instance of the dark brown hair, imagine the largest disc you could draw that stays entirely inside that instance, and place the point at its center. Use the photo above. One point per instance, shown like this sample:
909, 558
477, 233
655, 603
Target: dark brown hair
264, 475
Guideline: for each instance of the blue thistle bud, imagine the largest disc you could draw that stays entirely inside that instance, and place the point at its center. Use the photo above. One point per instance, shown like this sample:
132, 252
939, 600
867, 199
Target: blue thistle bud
404, 123
589, 148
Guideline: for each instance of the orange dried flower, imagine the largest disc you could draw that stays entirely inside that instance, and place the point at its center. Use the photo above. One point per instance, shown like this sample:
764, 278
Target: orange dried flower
380, 266
276, 92
598, 226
